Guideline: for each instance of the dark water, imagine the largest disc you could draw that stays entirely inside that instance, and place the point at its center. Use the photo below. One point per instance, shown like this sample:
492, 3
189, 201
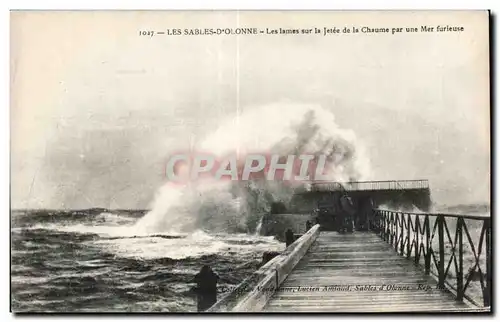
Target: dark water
83, 261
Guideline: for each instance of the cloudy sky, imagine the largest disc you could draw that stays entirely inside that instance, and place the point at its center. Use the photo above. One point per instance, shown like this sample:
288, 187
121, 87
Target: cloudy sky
96, 109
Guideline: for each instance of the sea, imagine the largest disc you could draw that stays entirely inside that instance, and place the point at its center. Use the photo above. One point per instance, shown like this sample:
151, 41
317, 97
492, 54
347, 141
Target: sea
91, 261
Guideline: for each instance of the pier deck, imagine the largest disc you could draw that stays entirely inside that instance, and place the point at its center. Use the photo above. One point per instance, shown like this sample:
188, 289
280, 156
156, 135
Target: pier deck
395, 267
365, 263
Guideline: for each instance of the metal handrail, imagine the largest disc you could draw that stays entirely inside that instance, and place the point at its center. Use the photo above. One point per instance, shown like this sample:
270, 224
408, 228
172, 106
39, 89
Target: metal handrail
414, 236
371, 185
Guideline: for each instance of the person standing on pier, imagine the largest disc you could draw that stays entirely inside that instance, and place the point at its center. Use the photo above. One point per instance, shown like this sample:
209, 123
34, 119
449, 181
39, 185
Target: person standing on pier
308, 225
347, 213
289, 237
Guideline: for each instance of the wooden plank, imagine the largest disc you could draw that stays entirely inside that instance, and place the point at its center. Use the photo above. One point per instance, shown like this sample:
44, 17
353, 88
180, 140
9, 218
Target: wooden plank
359, 297
364, 275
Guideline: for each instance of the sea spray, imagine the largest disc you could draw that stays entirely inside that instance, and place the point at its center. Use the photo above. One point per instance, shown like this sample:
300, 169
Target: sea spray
230, 206
259, 226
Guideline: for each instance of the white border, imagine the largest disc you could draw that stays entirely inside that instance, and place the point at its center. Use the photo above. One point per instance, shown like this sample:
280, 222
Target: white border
494, 5
253, 4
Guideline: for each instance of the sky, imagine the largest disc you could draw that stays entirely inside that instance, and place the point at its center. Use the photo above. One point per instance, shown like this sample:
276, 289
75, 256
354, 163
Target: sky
96, 108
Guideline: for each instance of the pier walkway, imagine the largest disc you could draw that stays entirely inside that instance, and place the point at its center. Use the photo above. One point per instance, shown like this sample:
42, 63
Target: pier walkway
406, 262
358, 272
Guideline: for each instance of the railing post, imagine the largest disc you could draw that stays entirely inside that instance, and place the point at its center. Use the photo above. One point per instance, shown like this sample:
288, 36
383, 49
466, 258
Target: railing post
396, 244
382, 224
386, 228
441, 250
460, 273
417, 230
402, 234
369, 220
487, 288
427, 245
408, 242
391, 227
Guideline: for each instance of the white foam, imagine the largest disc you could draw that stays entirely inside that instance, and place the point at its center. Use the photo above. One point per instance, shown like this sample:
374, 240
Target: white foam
277, 129
128, 242
194, 245
101, 230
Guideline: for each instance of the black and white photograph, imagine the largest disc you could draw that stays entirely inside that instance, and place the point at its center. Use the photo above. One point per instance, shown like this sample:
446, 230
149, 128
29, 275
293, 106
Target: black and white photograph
231, 161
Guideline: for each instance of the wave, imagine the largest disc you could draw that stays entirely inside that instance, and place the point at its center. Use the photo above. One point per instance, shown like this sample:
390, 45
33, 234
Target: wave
472, 209
195, 245
283, 129
126, 242
403, 208
462, 209
107, 232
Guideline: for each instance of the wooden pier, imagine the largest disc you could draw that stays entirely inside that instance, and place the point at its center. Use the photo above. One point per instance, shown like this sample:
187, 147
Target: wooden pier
358, 273
407, 262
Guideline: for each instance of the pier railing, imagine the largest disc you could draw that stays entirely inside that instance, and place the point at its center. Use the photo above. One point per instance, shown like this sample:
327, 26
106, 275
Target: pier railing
369, 185
454, 248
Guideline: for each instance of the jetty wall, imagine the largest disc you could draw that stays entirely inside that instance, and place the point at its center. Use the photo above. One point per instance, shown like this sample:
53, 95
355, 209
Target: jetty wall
277, 224
252, 294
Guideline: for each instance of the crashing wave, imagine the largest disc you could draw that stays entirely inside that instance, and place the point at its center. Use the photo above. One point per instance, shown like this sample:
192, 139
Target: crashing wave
238, 206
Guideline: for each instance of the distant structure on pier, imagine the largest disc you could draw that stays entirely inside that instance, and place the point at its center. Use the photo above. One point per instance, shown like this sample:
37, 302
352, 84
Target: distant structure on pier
323, 202
397, 194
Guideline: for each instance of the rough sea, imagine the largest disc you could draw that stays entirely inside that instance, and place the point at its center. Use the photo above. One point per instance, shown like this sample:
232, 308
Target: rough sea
91, 261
